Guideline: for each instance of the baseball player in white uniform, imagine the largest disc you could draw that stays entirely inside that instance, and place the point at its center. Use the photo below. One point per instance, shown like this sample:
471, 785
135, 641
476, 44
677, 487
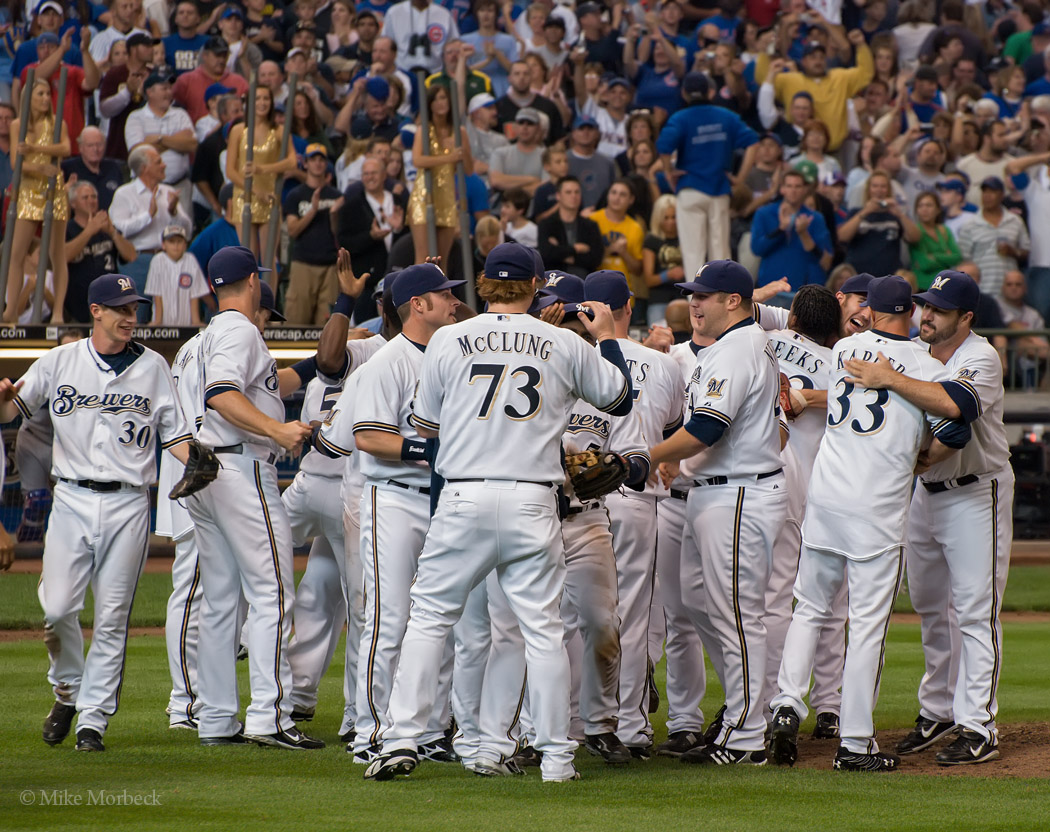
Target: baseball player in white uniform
738, 500
241, 527
880, 433
658, 409
111, 401
395, 505
491, 386
960, 528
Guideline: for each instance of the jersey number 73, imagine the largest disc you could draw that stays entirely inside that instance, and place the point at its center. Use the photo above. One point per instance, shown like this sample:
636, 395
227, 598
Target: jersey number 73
529, 379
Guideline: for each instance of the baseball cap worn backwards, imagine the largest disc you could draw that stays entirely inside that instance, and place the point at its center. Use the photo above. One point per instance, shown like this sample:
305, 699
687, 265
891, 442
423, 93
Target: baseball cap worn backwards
891, 294
609, 287
510, 261
269, 302
857, 285
952, 290
721, 276
232, 265
113, 290
418, 280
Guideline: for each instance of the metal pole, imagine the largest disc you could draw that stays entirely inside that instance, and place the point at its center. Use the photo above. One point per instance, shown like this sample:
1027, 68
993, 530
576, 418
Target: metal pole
16, 182
428, 174
49, 208
270, 258
467, 255
249, 156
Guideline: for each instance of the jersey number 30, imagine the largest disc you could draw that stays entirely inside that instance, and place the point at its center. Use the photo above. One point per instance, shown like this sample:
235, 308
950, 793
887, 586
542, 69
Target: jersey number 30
130, 432
528, 388
875, 408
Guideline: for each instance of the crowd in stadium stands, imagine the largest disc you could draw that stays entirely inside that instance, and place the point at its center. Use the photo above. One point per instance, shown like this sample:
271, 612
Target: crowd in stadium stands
808, 139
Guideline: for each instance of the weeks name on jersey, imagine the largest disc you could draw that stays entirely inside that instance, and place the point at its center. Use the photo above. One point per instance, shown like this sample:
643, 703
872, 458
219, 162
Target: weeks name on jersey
524, 343
67, 399
799, 356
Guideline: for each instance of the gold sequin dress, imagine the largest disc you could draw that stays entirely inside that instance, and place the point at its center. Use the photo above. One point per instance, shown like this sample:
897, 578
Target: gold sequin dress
32, 194
446, 214
267, 152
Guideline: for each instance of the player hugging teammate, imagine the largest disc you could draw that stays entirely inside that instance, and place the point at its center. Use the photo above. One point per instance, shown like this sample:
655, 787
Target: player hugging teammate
516, 512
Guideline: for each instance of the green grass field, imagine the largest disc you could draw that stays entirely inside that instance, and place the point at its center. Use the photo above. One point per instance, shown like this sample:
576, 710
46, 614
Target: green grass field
248, 787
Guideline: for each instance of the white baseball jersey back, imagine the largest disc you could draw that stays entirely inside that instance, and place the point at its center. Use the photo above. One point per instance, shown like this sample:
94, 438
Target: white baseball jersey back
808, 366
858, 494
384, 403
736, 383
657, 389
496, 376
105, 423
233, 356
173, 520
178, 284
975, 375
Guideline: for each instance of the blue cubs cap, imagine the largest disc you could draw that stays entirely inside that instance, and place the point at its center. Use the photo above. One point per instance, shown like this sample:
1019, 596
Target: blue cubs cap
952, 290
511, 261
113, 290
608, 287
232, 11
47, 37
721, 276
216, 89
378, 88
561, 287
619, 81
891, 294
418, 280
232, 264
951, 185
584, 121
857, 285
269, 302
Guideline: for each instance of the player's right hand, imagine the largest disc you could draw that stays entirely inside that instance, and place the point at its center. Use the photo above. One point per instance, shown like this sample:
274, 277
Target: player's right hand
669, 472
291, 435
349, 283
602, 325
9, 389
660, 338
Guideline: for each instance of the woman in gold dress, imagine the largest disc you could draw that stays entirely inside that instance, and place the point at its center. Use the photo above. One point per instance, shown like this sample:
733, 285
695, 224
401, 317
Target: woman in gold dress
267, 164
41, 161
441, 156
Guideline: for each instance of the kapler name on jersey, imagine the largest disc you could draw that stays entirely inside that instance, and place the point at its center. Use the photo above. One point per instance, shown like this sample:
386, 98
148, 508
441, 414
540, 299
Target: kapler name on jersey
500, 341
67, 399
866, 355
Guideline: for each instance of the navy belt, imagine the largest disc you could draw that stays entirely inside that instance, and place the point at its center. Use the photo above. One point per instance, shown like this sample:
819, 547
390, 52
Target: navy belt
571, 510
947, 485
420, 489
678, 494
239, 449
725, 480
95, 485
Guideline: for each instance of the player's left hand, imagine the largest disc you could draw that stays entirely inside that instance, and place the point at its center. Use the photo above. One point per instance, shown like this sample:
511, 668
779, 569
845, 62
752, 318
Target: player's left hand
349, 283
669, 472
769, 290
7, 550
660, 338
874, 375
553, 314
601, 327
9, 389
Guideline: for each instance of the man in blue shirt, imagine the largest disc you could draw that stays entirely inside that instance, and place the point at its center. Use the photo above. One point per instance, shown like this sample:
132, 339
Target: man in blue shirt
1040, 86
792, 240
50, 16
705, 137
182, 45
220, 233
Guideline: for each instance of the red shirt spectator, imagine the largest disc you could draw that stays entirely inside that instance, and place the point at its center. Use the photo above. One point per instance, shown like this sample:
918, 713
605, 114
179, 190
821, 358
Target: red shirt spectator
190, 86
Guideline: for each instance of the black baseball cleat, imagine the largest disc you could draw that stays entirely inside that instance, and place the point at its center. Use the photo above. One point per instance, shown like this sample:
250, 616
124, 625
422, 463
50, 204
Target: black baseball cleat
678, 742
88, 739
715, 728
439, 751
348, 736
608, 747
719, 755
365, 756
293, 739
490, 768
925, 733
58, 723
654, 691
846, 760
528, 757
644, 753
783, 741
967, 749
827, 727
302, 715
394, 764
233, 739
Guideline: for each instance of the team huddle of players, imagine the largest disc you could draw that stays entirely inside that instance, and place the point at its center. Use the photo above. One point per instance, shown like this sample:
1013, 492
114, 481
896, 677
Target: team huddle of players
476, 588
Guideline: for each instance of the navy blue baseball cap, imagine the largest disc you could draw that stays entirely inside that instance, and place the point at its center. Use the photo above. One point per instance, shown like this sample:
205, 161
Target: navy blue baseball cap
993, 183
113, 290
561, 287
721, 276
952, 290
891, 294
47, 37
584, 121
857, 285
232, 264
418, 280
268, 301
695, 86
511, 261
537, 261
608, 287
951, 185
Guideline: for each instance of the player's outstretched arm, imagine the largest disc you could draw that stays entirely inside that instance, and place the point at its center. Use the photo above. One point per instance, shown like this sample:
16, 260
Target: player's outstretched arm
8, 390
331, 346
235, 408
680, 445
181, 452
930, 396
392, 446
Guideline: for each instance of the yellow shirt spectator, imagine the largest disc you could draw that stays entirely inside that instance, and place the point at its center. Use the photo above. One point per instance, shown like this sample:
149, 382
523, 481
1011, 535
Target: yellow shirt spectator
628, 259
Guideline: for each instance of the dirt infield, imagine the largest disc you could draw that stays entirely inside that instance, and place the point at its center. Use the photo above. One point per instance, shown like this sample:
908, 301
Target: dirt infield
1025, 750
